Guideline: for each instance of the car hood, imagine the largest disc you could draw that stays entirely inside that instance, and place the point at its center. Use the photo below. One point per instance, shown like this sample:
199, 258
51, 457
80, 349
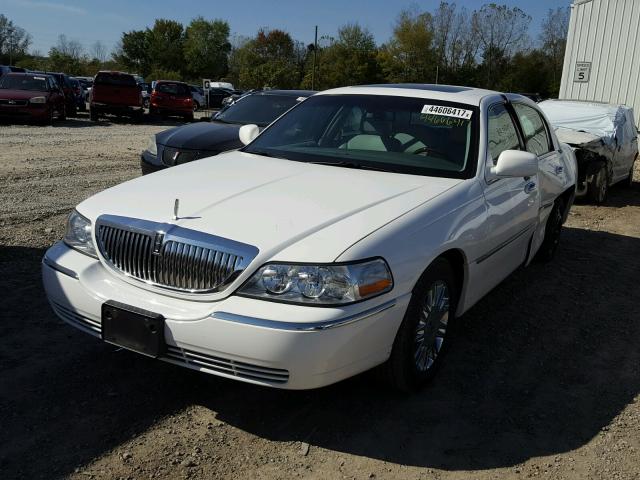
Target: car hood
21, 94
200, 136
270, 203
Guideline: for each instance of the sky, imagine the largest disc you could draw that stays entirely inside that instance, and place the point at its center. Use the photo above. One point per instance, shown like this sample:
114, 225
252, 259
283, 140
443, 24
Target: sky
90, 20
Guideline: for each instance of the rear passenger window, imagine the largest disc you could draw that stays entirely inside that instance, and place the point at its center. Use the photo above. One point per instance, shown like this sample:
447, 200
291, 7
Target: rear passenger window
535, 131
502, 132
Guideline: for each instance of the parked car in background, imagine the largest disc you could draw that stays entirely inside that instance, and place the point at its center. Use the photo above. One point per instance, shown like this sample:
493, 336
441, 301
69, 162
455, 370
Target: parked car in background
78, 93
146, 90
31, 97
217, 95
350, 234
171, 98
115, 93
235, 96
604, 138
197, 93
4, 69
199, 140
86, 83
65, 84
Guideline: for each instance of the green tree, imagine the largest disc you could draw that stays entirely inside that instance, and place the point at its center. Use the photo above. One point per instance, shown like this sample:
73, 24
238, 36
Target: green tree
267, 60
206, 48
133, 52
166, 45
553, 38
409, 56
351, 59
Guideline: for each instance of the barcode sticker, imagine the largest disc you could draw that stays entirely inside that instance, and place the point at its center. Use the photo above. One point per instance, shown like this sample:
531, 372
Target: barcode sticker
447, 111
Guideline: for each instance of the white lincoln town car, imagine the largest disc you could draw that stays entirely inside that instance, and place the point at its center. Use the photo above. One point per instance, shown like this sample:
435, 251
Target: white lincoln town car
347, 235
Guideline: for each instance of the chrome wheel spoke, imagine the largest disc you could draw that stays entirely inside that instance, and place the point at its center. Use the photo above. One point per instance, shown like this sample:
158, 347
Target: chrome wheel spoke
432, 326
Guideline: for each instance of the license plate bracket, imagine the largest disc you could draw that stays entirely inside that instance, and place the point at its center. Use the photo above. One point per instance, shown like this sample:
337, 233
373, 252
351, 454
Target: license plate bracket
133, 328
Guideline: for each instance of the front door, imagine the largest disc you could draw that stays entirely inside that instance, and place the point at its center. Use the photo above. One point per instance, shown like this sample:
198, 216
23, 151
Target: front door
512, 205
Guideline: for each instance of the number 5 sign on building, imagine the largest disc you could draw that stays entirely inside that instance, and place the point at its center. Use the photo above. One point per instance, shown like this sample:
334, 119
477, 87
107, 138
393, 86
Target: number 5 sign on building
583, 72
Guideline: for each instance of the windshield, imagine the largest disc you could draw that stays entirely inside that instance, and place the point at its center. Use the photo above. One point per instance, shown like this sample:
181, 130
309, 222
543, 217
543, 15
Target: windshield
24, 82
260, 110
392, 133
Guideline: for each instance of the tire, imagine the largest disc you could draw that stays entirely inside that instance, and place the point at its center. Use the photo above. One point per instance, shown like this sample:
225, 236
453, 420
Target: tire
598, 188
63, 116
188, 118
629, 181
49, 120
196, 106
415, 356
552, 233
94, 115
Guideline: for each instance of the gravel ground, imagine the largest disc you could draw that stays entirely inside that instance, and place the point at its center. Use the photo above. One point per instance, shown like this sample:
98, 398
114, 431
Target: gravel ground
543, 379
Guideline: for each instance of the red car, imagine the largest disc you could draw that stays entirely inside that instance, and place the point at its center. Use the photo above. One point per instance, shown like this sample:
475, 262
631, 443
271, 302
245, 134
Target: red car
115, 93
172, 98
31, 97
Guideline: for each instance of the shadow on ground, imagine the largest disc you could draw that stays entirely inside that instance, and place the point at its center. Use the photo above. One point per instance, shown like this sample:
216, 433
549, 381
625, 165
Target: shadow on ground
538, 367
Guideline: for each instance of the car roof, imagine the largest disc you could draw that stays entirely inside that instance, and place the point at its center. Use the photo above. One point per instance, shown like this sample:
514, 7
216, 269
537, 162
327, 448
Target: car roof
286, 93
586, 104
171, 81
451, 93
27, 74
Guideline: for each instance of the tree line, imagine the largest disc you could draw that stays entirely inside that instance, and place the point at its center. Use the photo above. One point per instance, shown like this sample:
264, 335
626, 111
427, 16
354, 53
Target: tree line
488, 47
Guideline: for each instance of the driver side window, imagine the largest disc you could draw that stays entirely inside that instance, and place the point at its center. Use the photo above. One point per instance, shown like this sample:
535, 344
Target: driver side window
502, 133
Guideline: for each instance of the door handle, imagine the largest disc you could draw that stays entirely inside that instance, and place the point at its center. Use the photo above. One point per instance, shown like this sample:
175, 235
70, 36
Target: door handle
530, 187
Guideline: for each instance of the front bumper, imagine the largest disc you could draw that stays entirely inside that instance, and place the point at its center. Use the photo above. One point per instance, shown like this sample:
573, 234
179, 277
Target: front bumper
27, 112
259, 342
150, 164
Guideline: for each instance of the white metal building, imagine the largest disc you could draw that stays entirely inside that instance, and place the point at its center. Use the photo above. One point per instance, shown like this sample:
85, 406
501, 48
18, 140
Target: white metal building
602, 60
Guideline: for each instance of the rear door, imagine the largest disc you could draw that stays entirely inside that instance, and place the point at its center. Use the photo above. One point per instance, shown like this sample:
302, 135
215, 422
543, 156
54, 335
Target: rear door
537, 138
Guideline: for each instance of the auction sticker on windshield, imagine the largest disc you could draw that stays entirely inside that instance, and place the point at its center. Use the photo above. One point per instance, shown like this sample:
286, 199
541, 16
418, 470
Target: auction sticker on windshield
447, 111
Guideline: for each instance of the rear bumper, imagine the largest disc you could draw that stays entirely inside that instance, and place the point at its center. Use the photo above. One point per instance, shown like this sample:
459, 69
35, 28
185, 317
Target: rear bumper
105, 108
264, 343
166, 110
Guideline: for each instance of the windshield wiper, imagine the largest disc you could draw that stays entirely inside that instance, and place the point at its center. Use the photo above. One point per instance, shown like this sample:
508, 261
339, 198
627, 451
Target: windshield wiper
359, 166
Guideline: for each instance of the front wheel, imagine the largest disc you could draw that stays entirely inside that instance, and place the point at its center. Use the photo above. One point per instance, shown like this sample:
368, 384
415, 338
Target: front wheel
93, 115
422, 338
598, 188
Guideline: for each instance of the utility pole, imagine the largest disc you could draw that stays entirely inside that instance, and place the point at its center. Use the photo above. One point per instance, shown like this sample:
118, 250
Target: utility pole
315, 54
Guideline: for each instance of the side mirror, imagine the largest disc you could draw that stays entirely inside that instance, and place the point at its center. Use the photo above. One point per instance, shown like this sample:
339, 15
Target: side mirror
248, 133
515, 163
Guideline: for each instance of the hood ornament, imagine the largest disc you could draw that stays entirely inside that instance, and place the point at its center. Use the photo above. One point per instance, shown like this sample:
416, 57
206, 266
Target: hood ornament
176, 205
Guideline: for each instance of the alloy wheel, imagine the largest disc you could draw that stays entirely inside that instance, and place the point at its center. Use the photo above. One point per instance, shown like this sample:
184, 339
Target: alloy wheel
432, 326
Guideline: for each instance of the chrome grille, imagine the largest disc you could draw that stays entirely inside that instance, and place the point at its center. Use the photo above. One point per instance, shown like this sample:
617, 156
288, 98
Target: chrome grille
159, 257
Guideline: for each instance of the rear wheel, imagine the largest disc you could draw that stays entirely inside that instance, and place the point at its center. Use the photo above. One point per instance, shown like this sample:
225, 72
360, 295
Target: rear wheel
552, 232
63, 114
188, 118
629, 181
421, 340
196, 106
598, 188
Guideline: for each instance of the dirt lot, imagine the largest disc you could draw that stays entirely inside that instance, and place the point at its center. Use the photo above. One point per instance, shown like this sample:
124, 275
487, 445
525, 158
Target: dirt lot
543, 379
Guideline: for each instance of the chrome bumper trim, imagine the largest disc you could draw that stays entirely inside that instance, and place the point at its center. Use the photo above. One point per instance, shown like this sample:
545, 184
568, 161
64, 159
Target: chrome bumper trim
59, 268
299, 326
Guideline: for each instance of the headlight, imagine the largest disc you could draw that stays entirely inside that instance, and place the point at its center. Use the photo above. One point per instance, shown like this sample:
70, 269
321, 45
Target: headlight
152, 148
78, 234
38, 100
328, 284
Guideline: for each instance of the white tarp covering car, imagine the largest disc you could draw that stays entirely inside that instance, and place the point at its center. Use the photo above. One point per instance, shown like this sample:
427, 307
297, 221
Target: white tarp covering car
605, 140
